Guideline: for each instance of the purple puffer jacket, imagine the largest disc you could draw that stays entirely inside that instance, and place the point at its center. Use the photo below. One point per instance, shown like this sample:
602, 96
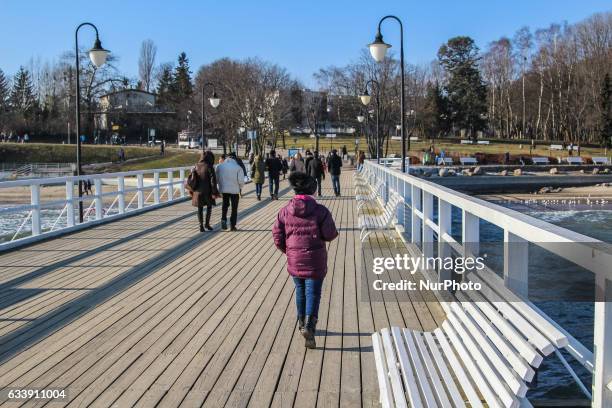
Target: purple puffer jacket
301, 229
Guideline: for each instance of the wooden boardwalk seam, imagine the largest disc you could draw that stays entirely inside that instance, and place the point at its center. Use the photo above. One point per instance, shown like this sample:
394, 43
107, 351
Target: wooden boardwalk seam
146, 311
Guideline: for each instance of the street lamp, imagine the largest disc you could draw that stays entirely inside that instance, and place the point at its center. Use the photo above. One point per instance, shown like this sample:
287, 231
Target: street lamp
98, 56
360, 118
365, 99
378, 49
214, 101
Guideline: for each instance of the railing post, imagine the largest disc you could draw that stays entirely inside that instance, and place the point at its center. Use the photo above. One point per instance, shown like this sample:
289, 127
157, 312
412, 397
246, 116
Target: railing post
156, 187
98, 186
516, 274
121, 194
170, 185
427, 231
35, 202
416, 228
470, 233
444, 250
602, 373
69, 203
182, 185
140, 192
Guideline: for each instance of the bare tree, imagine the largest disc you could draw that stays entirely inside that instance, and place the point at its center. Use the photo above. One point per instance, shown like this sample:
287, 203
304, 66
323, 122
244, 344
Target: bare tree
146, 64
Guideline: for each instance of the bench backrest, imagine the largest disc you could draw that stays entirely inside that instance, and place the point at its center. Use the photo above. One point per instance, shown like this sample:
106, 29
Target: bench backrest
574, 160
556, 147
540, 160
466, 141
468, 160
483, 142
445, 160
390, 208
600, 160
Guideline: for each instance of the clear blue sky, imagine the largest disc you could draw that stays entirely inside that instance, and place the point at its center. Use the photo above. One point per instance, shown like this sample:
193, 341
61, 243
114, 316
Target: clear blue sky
299, 35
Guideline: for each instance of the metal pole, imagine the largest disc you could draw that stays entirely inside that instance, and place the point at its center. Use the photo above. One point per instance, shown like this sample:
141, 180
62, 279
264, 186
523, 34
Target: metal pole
377, 124
78, 114
402, 118
203, 144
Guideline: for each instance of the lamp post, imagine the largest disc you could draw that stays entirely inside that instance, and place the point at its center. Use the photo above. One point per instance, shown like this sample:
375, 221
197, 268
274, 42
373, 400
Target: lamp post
98, 56
365, 100
214, 102
260, 120
378, 49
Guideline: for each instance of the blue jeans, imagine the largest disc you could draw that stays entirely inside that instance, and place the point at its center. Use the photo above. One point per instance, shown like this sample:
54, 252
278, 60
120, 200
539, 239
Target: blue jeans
336, 183
273, 185
258, 188
308, 296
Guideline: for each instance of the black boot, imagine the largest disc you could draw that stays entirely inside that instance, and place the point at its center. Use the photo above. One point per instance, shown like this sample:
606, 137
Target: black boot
201, 228
301, 320
310, 327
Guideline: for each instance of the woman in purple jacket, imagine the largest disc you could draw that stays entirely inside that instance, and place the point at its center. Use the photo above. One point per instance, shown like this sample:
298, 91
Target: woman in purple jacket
301, 230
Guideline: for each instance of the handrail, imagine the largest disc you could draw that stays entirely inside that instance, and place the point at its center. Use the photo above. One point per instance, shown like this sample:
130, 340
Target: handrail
588, 252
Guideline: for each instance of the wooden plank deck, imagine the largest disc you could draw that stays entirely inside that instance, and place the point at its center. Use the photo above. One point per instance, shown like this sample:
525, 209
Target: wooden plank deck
147, 311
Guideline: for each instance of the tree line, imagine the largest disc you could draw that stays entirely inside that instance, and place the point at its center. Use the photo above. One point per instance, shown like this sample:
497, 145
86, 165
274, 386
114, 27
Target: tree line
546, 84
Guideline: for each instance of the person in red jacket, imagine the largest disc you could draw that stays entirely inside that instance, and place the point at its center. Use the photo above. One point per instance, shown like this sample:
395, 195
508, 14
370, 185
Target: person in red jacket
301, 231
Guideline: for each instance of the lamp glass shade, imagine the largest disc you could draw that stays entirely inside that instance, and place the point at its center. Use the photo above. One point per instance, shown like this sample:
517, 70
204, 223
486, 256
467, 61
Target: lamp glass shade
360, 118
378, 49
97, 54
260, 119
214, 101
365, 99
398, 127
242, 129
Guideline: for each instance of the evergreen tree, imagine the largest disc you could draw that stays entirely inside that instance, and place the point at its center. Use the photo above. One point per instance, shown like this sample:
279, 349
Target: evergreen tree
164, 86
22, 97
182, 86
4, 92
467, 92
435, 111
606, 111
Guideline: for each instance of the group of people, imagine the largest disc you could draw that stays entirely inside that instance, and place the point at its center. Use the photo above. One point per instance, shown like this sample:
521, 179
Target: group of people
9, 138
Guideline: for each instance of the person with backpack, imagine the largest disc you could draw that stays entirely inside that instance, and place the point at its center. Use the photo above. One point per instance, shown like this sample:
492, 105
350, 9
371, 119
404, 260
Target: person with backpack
301, 231
230, 178
316, 170
334, 164
274, 167
258, 168
202, 185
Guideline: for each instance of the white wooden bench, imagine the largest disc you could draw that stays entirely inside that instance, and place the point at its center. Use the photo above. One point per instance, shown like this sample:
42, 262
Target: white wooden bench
466, 141
556, 147
540, 160
414, 138
485, 352
369, 223
448, 161
468, 160
600, 160
573, 160
483, 142
370, 195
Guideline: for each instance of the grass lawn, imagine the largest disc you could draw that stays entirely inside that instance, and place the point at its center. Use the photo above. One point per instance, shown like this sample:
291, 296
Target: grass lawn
450, 147
63, 153
172, 158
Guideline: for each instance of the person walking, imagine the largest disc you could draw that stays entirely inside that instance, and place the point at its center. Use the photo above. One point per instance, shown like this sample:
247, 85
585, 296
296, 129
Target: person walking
297, 164
231, 179
316, 170
334, 165
360, 160
307, 159
274, 167
205, 191
285, 167
300, 231
162, 148
258, 168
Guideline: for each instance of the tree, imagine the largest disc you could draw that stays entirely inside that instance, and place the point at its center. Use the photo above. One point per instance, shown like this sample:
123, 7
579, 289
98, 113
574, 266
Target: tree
4, 92
22, 97
467, 93
182, 86
606, 111
146, 64
435, 111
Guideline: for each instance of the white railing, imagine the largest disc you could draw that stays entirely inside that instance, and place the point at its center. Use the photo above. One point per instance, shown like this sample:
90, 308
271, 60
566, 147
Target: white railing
417, 220
112, 195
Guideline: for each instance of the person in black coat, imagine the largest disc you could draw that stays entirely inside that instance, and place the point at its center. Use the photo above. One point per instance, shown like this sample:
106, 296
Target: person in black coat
334, 165
206, 188
274, 167
316, 170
